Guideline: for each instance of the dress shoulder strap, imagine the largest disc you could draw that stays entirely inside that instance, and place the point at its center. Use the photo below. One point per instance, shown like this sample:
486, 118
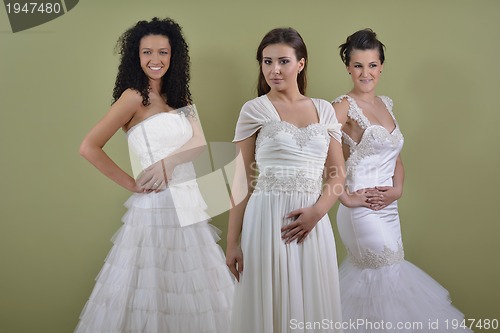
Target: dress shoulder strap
327, 117
354, 111
388, 104
253, 115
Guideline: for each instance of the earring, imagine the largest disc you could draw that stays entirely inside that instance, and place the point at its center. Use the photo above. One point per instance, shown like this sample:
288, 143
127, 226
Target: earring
380, 72
349, 73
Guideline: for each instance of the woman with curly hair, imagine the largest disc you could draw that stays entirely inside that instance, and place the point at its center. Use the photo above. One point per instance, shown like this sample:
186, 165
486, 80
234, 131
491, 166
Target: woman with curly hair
165, 272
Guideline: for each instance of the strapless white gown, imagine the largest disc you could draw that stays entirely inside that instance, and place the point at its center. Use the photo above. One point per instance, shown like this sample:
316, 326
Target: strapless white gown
380, 289
286, 287
160, 277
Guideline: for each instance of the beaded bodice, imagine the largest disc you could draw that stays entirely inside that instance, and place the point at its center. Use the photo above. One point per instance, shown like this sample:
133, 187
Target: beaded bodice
291, 158
372, 160
288, 158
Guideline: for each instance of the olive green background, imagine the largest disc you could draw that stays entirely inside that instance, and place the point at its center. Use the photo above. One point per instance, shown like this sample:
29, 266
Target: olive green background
57, 213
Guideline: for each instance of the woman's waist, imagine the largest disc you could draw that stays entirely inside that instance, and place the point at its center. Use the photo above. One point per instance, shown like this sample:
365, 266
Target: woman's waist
149, 156
358, 183
291, 169
286, 180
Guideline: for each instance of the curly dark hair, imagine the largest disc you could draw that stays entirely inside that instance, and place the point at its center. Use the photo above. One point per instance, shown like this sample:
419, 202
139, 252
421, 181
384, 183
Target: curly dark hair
365, 39
175, 83
292, 38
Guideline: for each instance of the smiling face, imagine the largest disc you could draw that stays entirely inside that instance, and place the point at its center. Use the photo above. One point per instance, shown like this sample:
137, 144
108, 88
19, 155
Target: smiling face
365, 68
154, 55
280, 66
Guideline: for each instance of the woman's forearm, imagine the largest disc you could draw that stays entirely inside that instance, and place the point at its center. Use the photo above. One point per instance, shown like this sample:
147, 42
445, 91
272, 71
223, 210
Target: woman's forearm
97, 157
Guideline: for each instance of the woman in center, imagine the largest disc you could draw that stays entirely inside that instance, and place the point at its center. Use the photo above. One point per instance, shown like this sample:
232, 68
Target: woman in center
289, 173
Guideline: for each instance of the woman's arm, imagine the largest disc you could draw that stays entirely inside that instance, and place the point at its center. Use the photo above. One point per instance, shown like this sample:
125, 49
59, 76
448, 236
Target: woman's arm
341, 110
360, 197
399, 176
241, 190
356, 199
92, 145
308, 217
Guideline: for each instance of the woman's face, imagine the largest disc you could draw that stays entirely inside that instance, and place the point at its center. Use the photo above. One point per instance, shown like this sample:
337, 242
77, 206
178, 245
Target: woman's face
280, 66
154, 55
365, 69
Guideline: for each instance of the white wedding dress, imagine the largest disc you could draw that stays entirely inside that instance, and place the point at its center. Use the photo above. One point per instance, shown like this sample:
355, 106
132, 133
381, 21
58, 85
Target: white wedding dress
286, 287
379, 289
160, 277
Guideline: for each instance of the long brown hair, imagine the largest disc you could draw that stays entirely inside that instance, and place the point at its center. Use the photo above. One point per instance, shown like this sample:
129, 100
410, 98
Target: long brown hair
292, 38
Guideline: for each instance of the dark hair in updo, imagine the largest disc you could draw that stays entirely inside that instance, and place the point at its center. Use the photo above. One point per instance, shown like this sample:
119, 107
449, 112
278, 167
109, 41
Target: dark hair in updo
292, 38
175, 82
365, 39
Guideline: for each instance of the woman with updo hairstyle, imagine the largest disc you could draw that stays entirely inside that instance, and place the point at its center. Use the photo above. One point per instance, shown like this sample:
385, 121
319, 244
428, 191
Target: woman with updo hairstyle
280, 244
377, 284
165, 272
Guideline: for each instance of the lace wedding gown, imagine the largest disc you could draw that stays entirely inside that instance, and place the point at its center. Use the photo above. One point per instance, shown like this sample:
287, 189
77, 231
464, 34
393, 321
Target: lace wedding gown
378, 287
286, 287
160, 277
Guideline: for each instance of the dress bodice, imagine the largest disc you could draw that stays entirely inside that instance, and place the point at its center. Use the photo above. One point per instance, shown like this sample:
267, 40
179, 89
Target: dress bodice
288, 157
291, 158
372, 160
156, 137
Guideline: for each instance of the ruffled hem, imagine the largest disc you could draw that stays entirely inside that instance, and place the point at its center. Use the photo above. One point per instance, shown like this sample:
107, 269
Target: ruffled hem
159, 276
395, 298
156, 323
178, 206
184, 195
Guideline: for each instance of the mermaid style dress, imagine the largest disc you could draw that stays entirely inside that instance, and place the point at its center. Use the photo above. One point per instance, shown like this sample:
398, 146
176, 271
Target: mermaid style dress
378, 287
286, 287
160, 277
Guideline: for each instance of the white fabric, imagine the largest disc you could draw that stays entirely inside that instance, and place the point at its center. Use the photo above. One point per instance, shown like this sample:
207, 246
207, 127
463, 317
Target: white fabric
255, 113
159, 276
377, 285
150, 141
286, 287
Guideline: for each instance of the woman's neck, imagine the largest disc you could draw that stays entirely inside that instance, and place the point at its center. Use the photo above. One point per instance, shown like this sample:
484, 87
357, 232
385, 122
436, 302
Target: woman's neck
368, 98
155, 86
285, 95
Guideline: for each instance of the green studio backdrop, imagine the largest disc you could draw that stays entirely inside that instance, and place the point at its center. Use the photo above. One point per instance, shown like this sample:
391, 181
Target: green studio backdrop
58, 213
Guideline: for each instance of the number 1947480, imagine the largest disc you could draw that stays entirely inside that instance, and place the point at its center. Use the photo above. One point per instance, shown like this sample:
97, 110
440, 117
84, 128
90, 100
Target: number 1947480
33, 8
482, 324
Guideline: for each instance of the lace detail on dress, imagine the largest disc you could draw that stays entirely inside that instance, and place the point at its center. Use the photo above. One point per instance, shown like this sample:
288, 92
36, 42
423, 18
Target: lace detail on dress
388, 105
299, 182
350, 142
301, 135
357, 154
366, 146
354, 113
189, 111
374, 260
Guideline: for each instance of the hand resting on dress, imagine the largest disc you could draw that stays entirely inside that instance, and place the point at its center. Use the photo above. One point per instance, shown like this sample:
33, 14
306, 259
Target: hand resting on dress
305, 220
155, 177
375, 198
